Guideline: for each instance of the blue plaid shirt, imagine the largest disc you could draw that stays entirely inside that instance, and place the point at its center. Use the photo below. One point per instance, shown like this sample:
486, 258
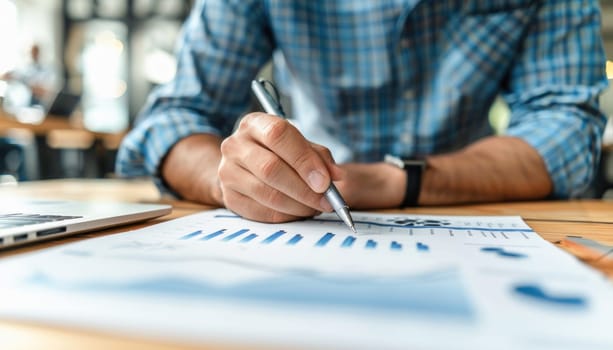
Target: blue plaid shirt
404, 77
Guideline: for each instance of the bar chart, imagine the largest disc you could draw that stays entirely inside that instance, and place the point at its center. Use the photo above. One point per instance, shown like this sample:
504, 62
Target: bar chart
395, 234
328, 239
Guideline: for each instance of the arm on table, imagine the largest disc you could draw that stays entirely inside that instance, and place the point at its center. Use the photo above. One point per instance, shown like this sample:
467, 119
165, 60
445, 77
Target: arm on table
493, 169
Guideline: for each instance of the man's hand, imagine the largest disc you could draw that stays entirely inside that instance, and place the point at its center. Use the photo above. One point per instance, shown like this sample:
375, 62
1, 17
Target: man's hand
269, 172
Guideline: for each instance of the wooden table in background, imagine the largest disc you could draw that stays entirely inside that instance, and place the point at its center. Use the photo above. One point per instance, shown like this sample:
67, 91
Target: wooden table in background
553, 220
52, 124
54, 135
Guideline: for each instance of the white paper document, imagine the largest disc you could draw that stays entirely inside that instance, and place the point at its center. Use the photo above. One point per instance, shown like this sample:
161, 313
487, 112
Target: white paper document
405, 281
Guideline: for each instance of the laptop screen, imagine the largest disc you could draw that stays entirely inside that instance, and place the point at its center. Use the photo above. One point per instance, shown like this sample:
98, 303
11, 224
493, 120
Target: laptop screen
64, 104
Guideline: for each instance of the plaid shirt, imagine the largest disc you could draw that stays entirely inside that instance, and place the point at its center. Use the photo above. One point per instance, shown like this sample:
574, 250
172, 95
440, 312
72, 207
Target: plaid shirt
404, 77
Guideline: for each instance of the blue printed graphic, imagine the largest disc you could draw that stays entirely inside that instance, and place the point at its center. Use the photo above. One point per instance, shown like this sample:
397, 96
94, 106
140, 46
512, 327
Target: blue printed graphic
537, 293
422, 247
503, 253
435, 294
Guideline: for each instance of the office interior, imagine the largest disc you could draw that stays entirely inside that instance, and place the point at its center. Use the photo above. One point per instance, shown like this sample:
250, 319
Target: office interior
99, 59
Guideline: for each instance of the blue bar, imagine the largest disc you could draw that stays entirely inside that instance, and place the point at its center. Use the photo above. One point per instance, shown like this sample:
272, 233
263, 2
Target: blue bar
294, 240
422, 247
235, 234
324, 240
396, 246
213, 235
272, 237
370, 244
248, 238
348, 242
192, 235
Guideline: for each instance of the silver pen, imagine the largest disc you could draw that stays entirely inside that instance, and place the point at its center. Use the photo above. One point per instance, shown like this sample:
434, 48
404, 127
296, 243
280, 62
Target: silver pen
334, 198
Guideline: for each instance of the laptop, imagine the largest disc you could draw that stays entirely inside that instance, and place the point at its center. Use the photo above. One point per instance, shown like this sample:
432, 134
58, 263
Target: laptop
27, 220
64, 104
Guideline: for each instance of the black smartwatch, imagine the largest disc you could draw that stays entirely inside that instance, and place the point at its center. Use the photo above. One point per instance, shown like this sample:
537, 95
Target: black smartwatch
414, 169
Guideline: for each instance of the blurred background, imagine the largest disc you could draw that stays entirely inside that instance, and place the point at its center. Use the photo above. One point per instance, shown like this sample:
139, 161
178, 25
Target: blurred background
74, 74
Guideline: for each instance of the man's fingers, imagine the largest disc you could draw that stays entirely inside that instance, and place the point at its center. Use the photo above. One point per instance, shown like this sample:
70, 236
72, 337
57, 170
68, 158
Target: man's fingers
284, 140
253, 210
275, 174
255, 162
336, 172
238, 180
270, 172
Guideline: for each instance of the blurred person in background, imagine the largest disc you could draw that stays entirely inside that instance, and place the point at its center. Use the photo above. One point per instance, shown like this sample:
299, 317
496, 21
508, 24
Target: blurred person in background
33, 84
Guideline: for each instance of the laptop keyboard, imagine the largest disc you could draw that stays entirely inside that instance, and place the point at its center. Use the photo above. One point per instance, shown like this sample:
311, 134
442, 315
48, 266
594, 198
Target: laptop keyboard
20, 219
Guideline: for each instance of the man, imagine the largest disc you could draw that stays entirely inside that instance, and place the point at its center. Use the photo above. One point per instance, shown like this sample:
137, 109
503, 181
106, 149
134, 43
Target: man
37, 77
410, 78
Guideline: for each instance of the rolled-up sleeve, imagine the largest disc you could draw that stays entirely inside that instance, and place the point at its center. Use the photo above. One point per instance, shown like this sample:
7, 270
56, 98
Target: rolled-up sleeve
221, 47
553, 93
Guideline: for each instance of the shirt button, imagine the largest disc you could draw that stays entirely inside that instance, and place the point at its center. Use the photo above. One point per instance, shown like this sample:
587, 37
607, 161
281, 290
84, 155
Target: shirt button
406, 138
405, 43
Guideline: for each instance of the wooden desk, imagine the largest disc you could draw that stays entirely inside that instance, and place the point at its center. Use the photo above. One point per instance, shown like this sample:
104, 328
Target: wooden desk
53, 123
553, 220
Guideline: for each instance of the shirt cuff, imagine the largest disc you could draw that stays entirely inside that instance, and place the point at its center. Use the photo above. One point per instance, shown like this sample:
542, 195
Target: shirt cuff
569, 145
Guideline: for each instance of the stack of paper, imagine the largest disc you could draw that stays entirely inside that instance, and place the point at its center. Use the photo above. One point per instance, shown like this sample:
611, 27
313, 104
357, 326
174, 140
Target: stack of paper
405, 281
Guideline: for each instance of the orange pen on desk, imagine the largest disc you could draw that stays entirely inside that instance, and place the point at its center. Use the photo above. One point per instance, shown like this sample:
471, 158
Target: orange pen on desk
588, 250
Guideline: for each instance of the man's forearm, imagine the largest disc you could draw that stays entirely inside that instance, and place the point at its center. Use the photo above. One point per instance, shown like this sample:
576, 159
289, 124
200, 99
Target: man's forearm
190, 168
494, 169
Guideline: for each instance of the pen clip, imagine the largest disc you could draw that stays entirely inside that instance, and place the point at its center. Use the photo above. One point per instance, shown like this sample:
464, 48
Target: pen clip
276, 97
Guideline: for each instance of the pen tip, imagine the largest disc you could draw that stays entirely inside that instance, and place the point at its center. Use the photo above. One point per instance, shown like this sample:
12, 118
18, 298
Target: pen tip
353, 229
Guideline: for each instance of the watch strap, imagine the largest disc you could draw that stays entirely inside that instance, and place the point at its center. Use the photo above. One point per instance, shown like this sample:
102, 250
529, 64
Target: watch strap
414, 169
414, 173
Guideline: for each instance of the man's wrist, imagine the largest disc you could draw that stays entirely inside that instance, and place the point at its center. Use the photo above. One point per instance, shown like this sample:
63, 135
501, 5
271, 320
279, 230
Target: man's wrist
190, 169
414, 169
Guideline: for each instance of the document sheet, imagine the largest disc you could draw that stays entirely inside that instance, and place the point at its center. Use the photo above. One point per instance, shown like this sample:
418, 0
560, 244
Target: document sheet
404, 281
